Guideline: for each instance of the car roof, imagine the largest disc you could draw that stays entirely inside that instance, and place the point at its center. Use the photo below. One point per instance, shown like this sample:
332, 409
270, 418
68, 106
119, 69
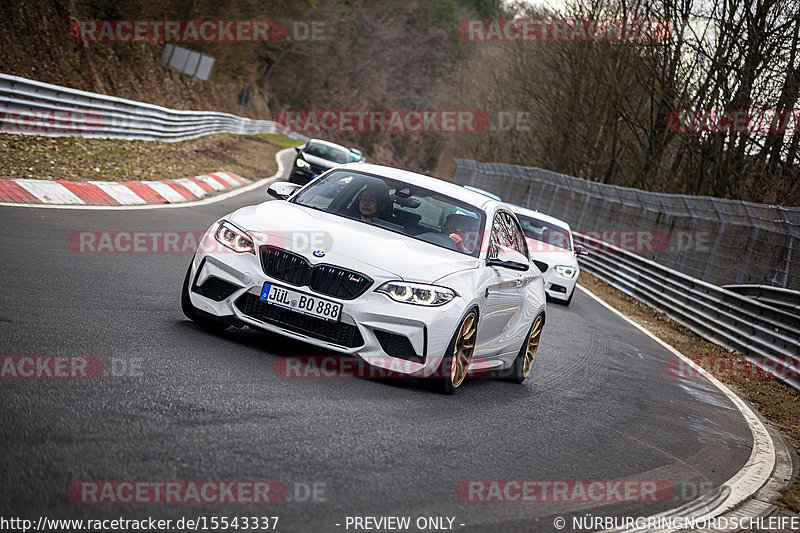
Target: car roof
540, 216
491, 195
328, 143
420, 180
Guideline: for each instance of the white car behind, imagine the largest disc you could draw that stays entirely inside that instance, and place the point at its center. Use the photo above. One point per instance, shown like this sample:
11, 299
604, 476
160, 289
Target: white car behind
553, 250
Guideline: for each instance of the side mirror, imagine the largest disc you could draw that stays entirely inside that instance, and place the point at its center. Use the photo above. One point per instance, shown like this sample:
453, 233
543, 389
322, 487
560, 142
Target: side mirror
511, 259
282, 190
581, 250
298, 149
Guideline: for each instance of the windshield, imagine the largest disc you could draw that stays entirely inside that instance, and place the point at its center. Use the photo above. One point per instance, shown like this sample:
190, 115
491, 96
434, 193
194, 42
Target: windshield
399, 207
544, 232
331, 153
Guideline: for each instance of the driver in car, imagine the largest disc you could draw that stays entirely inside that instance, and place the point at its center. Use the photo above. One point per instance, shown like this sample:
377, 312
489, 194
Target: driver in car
374, 202
460, 229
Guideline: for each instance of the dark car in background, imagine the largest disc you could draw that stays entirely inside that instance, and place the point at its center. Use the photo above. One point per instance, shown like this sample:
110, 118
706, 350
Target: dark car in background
315, 157
357, 155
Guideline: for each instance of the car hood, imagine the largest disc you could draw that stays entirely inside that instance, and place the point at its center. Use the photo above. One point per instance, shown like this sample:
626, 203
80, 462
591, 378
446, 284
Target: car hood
349, 243
320, 162
555, 256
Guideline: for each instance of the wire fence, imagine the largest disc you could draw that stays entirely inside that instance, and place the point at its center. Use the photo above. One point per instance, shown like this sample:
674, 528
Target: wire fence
711, 239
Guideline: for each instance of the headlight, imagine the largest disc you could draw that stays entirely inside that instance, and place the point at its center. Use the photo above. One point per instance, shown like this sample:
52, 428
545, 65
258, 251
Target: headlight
302, 163
416, 293
234, 238
566, 271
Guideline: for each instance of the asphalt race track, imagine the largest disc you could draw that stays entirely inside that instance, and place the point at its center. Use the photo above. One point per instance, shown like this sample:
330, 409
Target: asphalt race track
176, 402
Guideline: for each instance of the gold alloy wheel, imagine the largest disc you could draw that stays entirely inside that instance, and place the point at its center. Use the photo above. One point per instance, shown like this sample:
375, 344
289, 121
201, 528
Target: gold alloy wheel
532, 346
462, 352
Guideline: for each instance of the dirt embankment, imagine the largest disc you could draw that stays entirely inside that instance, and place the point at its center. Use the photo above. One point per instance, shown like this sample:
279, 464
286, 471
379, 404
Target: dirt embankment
34, 43
78, 159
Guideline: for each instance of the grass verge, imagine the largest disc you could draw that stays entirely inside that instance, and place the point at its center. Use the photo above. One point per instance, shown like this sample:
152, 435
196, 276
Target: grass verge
777, 402
79, 159
281, 140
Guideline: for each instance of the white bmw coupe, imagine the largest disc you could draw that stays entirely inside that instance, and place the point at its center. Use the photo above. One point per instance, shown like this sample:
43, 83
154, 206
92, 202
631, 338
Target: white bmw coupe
553, 251
412, 274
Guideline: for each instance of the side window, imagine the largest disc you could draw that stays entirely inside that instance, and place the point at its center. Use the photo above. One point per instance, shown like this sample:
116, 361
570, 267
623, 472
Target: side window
506, 233
516, 235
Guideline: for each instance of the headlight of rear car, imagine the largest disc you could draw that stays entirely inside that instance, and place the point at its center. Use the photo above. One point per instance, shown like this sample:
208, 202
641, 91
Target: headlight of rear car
234, 238
302, 163
416, 293
566, 271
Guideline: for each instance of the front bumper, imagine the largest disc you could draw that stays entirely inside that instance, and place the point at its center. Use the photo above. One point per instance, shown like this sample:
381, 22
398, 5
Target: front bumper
303, 175
364, 323
557, 287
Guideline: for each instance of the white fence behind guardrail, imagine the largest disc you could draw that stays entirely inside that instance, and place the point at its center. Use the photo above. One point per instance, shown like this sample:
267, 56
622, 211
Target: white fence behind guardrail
767, 335
714, 239
31, 107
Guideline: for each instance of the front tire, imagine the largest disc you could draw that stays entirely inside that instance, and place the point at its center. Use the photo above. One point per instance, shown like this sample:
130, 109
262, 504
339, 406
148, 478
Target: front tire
455, 364
521, 368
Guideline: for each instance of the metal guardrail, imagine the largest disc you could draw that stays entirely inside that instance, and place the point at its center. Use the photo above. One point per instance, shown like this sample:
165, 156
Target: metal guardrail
785, 299
721, 241
31, 107
767, 336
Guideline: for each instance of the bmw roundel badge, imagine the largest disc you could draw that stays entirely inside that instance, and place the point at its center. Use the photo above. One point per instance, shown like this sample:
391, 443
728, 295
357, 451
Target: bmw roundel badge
319, 253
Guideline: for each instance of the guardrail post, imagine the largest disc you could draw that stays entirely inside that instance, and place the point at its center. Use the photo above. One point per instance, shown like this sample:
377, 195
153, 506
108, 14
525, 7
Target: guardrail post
530, 191
749, 250
720, 232
585, 206
566, 204
692, 223
782, 211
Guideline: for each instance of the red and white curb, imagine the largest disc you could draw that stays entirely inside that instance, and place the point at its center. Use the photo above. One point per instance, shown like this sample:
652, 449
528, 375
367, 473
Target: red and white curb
164, 188
61, 192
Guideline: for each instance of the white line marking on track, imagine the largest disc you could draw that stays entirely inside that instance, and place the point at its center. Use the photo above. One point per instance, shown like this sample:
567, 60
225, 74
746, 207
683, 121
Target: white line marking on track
755, 472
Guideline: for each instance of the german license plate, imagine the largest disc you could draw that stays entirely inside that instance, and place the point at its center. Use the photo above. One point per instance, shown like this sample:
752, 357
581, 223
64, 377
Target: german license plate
300, 302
